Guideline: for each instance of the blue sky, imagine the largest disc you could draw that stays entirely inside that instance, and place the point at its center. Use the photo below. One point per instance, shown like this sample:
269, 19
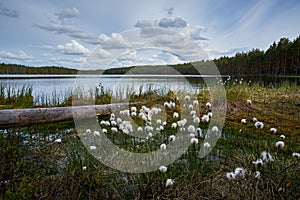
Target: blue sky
65, 33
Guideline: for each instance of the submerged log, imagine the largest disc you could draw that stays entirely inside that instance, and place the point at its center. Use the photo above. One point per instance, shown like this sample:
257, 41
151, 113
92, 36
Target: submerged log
30, 116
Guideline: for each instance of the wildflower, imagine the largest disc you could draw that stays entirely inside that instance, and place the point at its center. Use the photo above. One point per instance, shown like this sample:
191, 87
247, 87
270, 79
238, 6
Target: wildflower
113, 123
266, 156
57, 141
279, 144
191, 129
215, 129
192, 135
208, 105
206, 145
187, 97
240, 172
174, 125
273, 130
114, 130
163, 169
257, 175
196, 120
282, 137
258, 162
96, 133
249, 102
133, 109
193, 112
163, 147
230, 175
205, 118
169, 182
172, 138
84, 168
259, 125
296, 155
133, 114
195, 103
175, 115
104, 130
243, 121
254, 120
194, 141
210, 114
93, 147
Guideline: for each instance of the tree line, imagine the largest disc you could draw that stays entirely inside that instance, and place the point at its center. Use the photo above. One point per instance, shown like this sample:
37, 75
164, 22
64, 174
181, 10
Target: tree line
281, 58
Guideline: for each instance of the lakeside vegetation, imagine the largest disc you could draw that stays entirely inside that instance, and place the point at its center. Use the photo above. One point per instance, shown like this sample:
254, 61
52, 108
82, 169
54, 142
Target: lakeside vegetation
50, 162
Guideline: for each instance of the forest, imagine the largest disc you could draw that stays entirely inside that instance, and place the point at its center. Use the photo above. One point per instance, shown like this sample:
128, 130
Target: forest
281, 58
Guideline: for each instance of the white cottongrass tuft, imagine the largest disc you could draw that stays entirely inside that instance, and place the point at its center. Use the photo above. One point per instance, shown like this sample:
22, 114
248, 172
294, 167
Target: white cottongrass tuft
215, 129
169, 182
191, 107
196, 120
296, 155
84, 168
243, 121
163, 147
205, 118
249, 102
97, 133
208, 105
267, 156
273, 130
254, 120
194, 141
139, 129
230, 175
93, 147
258, 162
279, 144
257, 175
195, 103
57, 141
240, 172
282, 137
172, 138
192, 135
163, 169
191, 129
104, 130
210, 114
174, 125
175, 115
158, 121
114, 130
259, 125
88, 131
206, 145
187, 98
133, 109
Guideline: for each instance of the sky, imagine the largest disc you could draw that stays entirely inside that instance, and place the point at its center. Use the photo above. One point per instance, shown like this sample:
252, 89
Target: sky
76, 33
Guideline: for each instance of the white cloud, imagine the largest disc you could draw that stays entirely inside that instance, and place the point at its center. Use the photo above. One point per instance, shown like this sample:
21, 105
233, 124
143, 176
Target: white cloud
8, 12
116, 41
172, 23
68, 13
146, 23
72, 47
21, 55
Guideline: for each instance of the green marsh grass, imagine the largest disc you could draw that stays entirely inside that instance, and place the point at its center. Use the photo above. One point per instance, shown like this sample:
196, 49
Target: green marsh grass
36, 167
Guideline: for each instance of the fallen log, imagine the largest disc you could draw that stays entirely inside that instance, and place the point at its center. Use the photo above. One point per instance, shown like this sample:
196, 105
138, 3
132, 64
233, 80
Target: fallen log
30, 116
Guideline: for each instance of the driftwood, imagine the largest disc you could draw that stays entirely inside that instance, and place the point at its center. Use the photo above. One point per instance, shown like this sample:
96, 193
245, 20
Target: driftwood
29, 116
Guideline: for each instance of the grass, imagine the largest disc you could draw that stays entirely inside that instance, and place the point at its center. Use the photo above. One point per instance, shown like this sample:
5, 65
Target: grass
36, 167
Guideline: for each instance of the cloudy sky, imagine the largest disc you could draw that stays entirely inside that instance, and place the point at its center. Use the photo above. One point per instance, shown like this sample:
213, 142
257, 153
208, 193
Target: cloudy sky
66, 33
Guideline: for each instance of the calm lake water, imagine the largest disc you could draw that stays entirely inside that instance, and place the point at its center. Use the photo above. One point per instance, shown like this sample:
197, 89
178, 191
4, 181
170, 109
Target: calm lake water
49, 87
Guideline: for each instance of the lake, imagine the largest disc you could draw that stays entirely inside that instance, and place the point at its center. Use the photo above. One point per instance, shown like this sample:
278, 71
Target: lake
49, 87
